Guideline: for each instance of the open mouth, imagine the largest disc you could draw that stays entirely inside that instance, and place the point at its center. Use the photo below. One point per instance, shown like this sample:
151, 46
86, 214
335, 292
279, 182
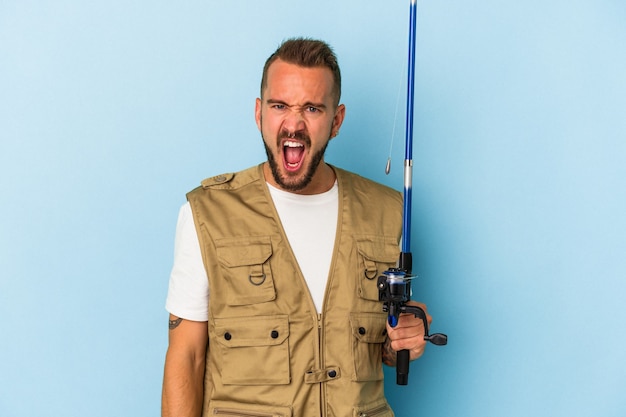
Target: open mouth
293, 154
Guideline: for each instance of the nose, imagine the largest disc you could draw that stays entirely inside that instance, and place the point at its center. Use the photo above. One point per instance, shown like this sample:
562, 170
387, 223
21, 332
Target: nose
294, 121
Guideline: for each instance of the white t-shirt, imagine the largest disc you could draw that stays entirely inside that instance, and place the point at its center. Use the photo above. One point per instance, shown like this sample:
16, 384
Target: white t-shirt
310, 223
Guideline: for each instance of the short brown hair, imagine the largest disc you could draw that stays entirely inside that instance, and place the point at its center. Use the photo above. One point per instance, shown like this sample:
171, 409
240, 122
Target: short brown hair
308, 53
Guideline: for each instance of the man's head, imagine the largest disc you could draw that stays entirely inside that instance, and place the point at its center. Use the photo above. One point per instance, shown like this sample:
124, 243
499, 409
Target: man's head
298, 113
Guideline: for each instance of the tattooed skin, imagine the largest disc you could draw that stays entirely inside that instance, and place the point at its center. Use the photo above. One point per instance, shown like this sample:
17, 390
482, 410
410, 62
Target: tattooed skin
389, 355
174, 323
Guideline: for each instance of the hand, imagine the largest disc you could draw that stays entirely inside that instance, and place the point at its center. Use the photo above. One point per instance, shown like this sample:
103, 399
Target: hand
409, 333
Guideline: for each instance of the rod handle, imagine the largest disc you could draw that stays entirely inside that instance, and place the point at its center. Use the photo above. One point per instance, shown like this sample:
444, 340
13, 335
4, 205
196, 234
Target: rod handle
402, 367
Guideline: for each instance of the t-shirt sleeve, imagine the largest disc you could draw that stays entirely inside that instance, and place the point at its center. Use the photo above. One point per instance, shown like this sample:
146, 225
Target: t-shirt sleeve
188, 291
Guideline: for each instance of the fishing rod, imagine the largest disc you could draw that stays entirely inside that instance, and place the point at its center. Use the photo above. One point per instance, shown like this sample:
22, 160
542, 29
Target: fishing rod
395, 284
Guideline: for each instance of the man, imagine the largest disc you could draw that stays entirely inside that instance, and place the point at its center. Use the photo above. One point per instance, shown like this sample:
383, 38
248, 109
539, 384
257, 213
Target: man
277, 267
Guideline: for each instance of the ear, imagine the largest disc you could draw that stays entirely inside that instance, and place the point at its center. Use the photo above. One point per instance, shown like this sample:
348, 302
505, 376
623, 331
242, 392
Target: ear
257, 113
340, 113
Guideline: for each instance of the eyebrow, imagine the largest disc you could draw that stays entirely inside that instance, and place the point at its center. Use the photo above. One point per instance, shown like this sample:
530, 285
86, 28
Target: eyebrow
307, 104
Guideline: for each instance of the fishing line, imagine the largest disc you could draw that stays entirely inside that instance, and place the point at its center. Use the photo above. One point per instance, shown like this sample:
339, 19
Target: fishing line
395, 122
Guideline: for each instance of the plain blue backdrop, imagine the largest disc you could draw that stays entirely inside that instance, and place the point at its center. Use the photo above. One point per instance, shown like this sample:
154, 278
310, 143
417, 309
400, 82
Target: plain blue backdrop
110, 111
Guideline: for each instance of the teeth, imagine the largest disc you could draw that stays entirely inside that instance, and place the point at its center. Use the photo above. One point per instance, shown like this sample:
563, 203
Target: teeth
291, 144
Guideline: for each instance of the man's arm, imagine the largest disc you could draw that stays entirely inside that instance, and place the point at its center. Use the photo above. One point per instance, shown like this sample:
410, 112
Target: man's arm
183, 380
408, 334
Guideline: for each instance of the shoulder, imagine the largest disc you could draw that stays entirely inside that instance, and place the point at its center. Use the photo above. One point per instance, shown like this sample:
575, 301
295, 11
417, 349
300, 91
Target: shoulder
229, 181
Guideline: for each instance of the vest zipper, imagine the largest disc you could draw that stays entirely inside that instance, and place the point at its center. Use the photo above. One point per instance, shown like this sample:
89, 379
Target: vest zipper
321, 364
239, 413
376, 411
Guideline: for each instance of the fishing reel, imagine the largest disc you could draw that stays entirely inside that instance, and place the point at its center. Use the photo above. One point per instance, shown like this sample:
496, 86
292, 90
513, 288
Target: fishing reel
394, 290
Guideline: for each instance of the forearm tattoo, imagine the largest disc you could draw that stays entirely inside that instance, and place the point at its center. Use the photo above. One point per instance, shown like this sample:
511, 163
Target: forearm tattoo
174, 323
389, 355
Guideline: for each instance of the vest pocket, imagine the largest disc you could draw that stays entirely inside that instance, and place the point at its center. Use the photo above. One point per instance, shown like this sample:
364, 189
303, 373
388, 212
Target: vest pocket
235, 409
369, 332
253, 350
376, 254
246, 268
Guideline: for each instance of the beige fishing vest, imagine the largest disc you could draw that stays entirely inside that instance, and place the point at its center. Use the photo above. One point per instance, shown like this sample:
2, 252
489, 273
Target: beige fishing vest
271, 354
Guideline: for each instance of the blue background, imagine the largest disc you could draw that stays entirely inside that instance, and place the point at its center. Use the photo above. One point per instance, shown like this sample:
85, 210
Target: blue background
111, 111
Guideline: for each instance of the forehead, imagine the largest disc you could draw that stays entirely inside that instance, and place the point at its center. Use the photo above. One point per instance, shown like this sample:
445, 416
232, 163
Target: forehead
286, 80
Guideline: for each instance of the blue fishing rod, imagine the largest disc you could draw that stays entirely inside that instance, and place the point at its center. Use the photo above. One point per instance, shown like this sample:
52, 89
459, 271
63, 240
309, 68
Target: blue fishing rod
395, 285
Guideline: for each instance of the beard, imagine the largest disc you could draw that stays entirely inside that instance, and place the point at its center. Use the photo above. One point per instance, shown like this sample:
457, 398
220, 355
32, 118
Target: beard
295, 182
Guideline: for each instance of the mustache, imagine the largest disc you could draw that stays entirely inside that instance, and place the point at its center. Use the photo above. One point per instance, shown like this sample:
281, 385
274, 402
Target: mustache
299, 135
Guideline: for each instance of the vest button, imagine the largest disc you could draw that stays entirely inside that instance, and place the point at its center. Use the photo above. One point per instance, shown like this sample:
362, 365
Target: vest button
332, 373
361, 330
274, 334
227, 336
220, 178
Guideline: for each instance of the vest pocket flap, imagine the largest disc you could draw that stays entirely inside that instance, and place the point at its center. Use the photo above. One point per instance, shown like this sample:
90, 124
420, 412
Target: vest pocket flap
369, 327
253, 250
252, 331
378, 409
378, 249
236, 409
